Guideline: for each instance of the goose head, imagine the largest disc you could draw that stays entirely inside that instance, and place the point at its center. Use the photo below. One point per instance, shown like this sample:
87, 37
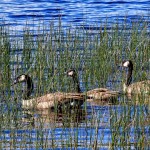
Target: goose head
72, 73
127, 64
25, 78
21, 78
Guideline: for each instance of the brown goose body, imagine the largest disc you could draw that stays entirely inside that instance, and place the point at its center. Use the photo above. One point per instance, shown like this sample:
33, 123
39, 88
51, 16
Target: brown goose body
101, 94
52, 100
141, 87
58, 99
95, 94
138, 87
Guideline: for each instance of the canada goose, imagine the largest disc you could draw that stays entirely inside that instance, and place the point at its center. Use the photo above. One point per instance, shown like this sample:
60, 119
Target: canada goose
134, 88
58, 99
28, 80
95, 94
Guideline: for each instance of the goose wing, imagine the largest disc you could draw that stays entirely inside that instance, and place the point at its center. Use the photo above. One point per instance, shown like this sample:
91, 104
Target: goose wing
50, 100
139, 87
101, 93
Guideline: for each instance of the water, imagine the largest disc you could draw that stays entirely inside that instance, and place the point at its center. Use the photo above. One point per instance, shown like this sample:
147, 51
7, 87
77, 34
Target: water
98, 123
76, 13
55, 131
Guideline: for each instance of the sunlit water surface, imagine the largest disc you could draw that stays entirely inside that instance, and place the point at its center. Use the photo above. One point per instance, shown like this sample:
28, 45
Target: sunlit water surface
97, 124
89, 12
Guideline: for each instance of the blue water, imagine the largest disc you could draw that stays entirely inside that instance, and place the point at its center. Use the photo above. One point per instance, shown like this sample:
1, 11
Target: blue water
72, 12
17, 13
98, 124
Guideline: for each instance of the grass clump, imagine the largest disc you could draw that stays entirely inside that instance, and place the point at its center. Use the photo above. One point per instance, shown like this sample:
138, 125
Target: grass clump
45, 53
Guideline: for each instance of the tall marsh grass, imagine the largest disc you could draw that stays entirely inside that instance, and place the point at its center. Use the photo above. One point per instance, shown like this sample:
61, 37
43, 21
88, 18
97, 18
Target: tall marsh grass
45, 53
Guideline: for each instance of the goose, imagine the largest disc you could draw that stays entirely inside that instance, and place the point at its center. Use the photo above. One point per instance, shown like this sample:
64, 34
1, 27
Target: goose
95, 94
59, 100
137, 87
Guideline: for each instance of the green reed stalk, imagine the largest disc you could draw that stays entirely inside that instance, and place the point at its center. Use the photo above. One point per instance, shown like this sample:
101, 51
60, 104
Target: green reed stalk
51, 50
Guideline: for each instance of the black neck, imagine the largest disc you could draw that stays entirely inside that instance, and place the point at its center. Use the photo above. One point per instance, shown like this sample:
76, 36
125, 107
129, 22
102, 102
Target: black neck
29, 87
129, 75
76, 83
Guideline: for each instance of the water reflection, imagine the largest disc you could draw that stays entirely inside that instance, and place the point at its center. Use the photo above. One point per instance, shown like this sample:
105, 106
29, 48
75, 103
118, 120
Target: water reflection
95, 125
99, 102
50, 119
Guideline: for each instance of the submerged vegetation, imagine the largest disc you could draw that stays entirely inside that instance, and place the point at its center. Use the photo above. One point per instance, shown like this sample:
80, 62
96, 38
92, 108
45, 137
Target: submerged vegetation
45, 53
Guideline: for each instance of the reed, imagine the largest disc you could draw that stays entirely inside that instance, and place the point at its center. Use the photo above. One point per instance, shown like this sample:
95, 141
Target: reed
45, 53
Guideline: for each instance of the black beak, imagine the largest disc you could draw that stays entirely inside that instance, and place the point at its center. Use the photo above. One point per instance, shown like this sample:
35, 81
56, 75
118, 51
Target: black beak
120, 66
15, 82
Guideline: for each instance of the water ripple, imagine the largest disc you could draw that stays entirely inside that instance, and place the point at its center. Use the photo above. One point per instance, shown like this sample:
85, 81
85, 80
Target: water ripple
76, 12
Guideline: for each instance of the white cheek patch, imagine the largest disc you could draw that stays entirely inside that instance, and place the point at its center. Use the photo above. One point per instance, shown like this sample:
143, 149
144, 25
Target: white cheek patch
126, 64
70, 73
22, 78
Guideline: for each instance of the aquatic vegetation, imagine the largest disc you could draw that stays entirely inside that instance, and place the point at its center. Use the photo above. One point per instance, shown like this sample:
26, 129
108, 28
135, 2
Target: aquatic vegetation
96, 53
